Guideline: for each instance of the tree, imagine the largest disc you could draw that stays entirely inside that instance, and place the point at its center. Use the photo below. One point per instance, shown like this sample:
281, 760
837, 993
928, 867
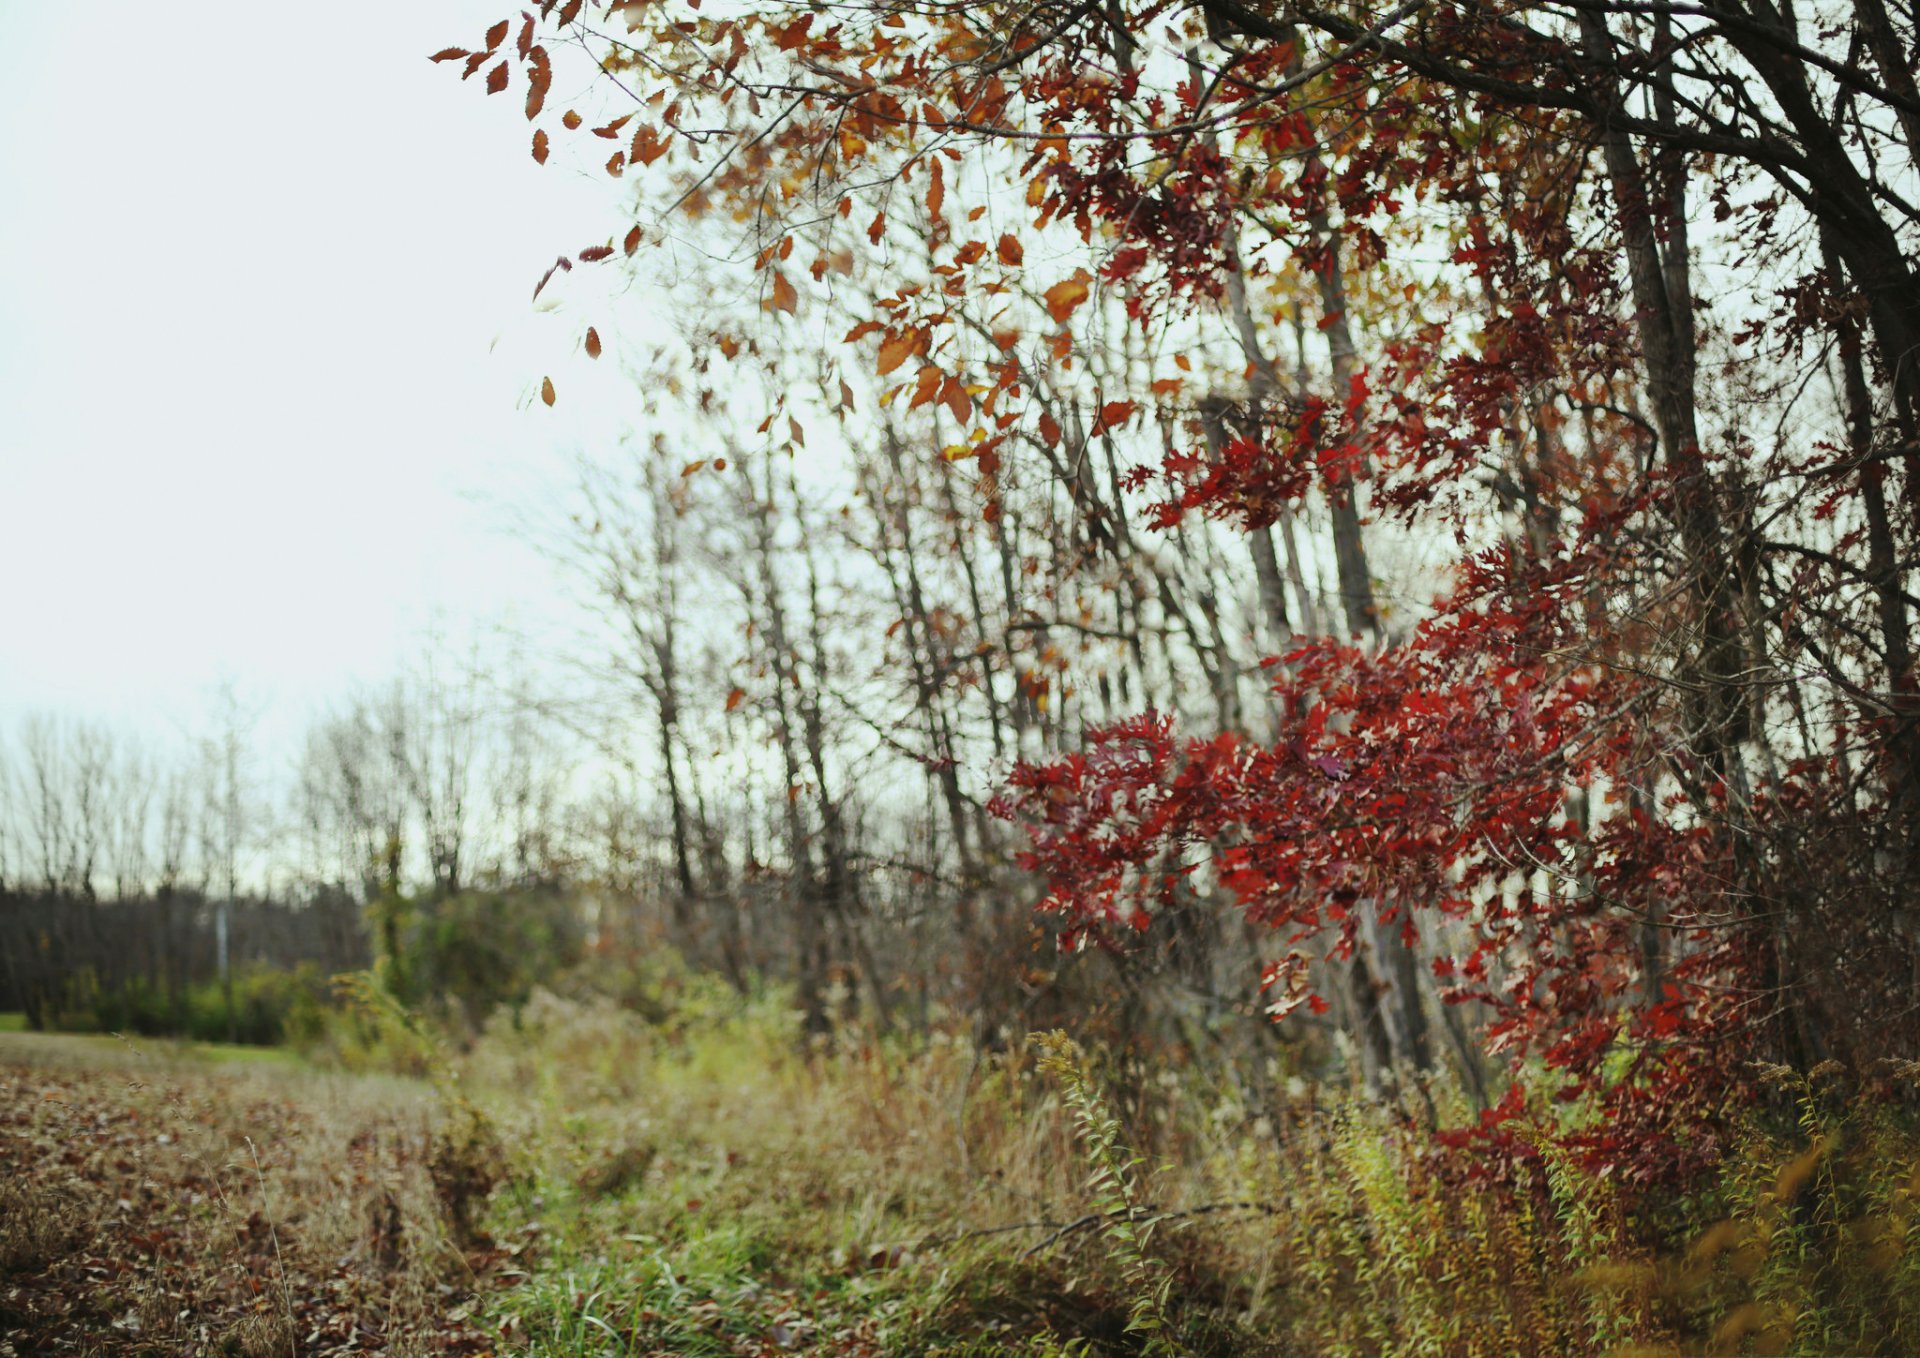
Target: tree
1645, 726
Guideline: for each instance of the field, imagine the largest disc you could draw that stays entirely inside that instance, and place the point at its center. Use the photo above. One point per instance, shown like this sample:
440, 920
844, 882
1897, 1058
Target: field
580, 1180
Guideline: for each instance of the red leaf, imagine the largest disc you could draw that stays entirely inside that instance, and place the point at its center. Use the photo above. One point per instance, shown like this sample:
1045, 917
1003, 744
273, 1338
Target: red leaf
497, 78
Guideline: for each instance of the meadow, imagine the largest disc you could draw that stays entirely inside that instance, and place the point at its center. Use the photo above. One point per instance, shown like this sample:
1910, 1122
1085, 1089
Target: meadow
580, 1177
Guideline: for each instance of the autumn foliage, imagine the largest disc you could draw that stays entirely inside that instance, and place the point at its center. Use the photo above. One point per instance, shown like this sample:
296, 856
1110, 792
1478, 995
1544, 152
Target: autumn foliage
1603, 313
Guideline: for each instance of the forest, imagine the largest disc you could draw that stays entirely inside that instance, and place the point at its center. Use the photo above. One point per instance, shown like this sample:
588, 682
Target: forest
1240, 680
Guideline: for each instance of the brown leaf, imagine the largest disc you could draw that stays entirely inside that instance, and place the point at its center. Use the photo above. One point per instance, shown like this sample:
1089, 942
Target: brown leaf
954, 395
936, 192
539, 79
735, 698
794, 33
785, 296
497, 78
449, 54
1049, 429
632, 242
546, 390
593, 342
593, 254
571, 119
1114, 414
1011, 251
540, 145
497, 35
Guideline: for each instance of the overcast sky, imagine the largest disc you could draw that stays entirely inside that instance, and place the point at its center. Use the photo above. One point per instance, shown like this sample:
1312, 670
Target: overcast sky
265, 337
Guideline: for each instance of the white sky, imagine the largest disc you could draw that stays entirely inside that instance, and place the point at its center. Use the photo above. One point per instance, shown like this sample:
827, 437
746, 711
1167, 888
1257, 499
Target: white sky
254, 260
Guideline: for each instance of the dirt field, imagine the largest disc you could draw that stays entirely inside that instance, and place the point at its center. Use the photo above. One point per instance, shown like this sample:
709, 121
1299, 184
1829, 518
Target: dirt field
161, 1200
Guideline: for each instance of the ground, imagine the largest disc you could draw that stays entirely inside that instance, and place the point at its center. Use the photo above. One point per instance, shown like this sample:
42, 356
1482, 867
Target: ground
165, 1200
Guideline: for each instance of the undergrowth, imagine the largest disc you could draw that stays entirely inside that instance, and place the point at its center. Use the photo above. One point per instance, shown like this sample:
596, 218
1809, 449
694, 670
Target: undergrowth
679, 1171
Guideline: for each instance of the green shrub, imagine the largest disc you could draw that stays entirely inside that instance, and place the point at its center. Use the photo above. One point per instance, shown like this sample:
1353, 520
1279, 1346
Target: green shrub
271, 1006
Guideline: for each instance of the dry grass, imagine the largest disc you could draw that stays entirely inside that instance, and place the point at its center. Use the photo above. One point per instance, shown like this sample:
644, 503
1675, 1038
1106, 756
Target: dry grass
157, 1204
590, 1182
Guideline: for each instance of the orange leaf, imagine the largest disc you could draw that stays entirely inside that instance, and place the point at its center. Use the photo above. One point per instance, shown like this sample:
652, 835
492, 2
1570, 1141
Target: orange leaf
1010, 251
593, 342
633, 240
540, 145
693, 467
648, 146
1036, 191
936, 192
497, 79
785, 296
1115, 413
897, 349
925, 387
1064, 297
735, 698
879, 225
571, 119
1049, 429
546, 390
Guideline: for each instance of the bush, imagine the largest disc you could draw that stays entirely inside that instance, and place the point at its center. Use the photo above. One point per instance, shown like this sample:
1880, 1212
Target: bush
467, 954
271, 1006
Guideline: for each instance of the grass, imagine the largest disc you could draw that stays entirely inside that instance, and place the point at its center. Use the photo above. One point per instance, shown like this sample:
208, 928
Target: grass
13, 1023
581, 1180
159, 1202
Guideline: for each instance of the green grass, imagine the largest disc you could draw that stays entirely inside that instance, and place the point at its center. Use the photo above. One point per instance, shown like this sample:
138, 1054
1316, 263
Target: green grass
26, 1046
13, 1023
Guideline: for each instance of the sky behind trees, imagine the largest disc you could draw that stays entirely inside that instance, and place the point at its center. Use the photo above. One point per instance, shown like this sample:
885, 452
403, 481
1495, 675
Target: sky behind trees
264, 352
